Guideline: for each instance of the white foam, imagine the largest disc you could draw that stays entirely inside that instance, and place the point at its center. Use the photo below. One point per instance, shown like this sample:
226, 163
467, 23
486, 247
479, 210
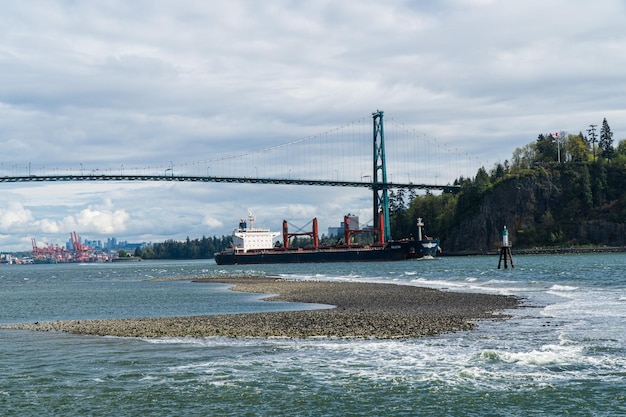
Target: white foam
455, 359
557, 287
547, 355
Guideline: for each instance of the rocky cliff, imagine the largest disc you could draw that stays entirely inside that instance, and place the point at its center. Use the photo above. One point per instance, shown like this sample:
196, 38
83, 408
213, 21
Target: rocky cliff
564, 206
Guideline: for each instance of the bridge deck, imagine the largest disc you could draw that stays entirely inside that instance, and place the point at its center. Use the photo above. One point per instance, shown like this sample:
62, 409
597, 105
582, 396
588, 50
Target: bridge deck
249, 180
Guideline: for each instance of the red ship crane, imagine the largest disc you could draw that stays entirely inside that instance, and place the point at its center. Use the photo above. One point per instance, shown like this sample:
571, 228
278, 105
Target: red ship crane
378, 231
314, 234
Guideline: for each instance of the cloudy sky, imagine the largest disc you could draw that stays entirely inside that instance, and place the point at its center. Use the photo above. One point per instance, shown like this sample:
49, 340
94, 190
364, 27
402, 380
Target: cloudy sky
143, 83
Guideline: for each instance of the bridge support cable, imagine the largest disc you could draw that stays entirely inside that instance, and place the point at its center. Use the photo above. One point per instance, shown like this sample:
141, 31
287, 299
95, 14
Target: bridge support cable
379, 178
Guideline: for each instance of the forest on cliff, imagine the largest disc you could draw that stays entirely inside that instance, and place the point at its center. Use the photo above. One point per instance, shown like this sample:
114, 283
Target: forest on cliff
555, 192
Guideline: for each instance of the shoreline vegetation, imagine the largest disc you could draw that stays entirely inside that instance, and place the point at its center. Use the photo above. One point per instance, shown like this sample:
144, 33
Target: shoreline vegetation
541, 251
361, 310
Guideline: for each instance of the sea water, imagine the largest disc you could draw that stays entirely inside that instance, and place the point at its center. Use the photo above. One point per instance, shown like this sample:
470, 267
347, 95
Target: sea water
562, 353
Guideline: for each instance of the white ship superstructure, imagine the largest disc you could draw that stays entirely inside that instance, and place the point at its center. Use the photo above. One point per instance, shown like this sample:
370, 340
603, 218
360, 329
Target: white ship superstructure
247, 237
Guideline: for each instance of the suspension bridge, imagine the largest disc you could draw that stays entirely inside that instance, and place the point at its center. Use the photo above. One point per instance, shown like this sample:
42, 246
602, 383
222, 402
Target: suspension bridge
338, 157
359, 154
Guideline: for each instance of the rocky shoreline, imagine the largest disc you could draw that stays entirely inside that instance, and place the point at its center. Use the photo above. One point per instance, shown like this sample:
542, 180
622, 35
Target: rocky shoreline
362, 310
541, 251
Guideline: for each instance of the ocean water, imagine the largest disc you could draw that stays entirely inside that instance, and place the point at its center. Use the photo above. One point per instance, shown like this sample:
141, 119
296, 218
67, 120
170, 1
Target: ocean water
563, 353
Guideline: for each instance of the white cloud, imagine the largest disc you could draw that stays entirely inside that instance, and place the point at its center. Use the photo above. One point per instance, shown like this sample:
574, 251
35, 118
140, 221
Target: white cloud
49, 227
98, 221
212, 223
13, 216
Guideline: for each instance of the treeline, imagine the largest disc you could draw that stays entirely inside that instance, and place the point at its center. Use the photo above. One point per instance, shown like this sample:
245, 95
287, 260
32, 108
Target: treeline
203, 248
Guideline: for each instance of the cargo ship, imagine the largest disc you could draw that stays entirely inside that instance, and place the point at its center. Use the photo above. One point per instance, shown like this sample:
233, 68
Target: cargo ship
254, 245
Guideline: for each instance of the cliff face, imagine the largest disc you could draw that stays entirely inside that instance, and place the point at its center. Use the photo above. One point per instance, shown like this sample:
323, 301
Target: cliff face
549, 208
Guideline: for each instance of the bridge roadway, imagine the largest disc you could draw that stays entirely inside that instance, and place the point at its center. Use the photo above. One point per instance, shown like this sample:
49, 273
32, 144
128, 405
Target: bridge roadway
249, 180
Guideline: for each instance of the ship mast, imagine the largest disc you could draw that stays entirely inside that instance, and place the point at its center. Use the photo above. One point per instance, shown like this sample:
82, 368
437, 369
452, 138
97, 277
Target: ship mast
379, 179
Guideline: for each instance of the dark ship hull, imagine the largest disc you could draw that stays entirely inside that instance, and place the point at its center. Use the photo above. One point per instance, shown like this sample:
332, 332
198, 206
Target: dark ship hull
392, 251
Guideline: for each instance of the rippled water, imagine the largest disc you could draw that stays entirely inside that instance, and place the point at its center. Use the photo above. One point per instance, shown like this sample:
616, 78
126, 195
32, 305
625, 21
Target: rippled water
565, 353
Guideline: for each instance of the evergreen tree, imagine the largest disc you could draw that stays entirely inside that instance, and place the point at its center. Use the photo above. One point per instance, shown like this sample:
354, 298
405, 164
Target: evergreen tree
188, 249
547, 149
606, 141
482, 180
621, 147
397, 213
394, 204
401, 198
592, 139
497, 172
598, 182
620, 154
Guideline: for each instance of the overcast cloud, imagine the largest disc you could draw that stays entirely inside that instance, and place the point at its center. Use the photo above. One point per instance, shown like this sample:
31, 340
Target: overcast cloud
137, 83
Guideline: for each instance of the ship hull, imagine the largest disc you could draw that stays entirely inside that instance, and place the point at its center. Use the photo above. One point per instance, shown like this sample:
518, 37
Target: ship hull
393, 251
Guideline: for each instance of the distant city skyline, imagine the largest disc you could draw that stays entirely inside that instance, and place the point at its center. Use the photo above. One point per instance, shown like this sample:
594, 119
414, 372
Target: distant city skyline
110, 244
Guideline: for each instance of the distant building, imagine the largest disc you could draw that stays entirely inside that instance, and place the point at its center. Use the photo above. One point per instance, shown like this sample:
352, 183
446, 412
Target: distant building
335, 231
338, 231
354, 222
111, 243
6, 258
93, 244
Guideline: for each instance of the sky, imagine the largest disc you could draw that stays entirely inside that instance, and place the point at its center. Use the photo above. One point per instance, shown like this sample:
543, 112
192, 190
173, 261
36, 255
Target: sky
151, 83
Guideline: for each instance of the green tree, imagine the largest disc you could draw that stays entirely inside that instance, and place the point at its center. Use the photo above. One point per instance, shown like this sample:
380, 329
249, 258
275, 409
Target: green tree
547, 148
620, 153
436, 211
482, 180
188, 249
606, 141
523, 158
599, 183
592, 139
472, 192
400, 223
576, 148
621, 147
497, 172
575, 189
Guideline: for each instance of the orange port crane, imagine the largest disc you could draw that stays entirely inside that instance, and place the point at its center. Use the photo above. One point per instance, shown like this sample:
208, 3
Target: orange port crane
81, 252
49, 252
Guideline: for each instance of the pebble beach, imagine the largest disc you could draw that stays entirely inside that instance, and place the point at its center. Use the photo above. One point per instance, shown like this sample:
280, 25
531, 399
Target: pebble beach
359, 310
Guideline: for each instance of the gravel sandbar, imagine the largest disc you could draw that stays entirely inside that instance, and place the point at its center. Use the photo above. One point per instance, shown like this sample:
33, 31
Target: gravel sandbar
362, 310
